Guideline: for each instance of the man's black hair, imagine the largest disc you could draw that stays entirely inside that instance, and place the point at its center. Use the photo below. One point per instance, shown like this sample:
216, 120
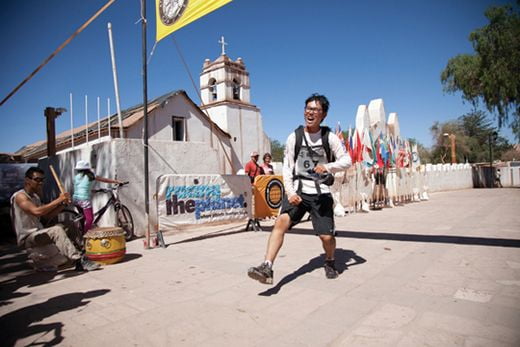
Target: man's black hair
322, 99
33, 169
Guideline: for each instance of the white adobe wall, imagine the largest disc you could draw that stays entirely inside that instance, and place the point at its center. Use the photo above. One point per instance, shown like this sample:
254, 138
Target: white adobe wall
160, 123
218, 116
244, 124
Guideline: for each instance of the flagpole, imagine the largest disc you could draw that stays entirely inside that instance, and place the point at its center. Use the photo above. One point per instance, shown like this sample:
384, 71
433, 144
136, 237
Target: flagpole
71, 122
145, 125
86, 119
116, 83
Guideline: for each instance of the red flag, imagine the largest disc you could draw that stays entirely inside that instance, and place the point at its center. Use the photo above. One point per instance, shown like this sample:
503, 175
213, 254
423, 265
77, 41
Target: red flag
379, 158
359, 148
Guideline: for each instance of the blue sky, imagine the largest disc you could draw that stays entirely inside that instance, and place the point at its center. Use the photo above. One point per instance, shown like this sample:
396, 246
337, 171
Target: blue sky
351, 51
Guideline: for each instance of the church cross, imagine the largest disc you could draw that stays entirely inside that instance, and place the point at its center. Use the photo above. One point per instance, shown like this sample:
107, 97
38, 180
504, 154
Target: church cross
224, 44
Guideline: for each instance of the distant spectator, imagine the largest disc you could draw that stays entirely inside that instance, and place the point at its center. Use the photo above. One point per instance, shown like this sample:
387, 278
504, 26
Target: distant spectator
252, 168
266, 166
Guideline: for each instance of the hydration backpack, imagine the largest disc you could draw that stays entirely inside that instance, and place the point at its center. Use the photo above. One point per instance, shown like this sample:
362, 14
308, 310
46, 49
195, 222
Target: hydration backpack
324, 140
327, 178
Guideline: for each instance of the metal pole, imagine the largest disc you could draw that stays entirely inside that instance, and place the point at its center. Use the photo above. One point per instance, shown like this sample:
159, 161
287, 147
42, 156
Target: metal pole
145, 113
491, 178
98, 120
71, 122
86, 119
490, 153
114, 73
108, 117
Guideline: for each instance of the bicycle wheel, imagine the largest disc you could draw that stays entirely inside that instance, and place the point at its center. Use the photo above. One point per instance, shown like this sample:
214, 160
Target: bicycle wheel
73, 222
125, 221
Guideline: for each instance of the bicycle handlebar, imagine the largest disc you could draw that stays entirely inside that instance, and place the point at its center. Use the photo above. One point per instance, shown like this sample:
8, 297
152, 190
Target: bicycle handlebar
107, 190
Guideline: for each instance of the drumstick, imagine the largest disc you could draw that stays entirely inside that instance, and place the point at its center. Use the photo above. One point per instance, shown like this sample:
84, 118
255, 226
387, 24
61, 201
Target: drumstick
57, 179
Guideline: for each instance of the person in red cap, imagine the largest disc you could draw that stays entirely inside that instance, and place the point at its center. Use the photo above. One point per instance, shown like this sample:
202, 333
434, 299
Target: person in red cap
252, 168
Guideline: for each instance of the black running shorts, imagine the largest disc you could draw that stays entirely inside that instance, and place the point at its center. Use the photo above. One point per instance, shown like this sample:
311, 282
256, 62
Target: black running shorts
320, 208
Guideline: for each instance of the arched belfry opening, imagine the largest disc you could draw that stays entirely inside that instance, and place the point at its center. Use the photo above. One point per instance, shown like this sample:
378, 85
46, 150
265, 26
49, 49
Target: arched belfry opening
212, 89
236, 89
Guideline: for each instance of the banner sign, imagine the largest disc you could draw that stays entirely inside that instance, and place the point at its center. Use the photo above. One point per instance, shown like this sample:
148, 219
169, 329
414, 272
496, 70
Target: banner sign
269, 192
184, 200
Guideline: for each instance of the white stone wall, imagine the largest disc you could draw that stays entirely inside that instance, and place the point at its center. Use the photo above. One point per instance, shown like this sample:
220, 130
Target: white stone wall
510, 176
246, 125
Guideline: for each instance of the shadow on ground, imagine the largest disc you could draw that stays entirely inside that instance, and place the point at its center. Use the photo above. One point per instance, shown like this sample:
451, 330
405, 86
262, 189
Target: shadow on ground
129, 257
16, 273
344, 259
19, 324
461, 240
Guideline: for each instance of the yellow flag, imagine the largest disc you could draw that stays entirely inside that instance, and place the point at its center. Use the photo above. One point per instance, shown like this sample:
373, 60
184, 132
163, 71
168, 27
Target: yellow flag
172, 15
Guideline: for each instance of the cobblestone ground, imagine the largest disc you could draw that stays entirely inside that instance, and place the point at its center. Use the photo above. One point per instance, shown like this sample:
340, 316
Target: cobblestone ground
443, 272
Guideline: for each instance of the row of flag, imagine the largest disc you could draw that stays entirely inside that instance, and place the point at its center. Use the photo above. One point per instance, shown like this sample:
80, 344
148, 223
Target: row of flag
385, 151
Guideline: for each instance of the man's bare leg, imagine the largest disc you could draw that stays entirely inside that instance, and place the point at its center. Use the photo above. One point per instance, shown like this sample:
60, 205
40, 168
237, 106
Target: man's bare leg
329, 246
275, 241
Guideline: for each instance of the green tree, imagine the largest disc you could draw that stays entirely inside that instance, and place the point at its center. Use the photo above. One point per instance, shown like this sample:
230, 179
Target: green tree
277, 150
512, 154
440, 152
492, 75
473, 135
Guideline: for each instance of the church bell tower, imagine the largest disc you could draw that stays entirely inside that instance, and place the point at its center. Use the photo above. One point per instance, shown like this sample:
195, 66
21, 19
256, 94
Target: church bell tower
225, 93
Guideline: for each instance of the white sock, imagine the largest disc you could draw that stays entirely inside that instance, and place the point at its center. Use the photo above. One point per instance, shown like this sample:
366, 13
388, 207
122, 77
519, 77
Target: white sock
268, 263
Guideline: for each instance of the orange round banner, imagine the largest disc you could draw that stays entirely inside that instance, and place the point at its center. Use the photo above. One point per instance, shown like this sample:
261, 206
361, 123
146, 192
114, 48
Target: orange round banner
268, 192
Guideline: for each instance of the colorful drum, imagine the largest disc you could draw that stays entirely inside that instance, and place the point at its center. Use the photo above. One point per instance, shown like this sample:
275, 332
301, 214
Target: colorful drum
105, 245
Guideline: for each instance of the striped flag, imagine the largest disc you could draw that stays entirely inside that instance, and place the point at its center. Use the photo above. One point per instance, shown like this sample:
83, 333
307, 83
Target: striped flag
339, 134
368, 149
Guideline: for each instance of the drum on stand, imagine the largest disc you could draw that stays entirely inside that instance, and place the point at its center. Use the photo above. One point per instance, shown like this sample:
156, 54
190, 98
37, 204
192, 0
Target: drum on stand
106, 245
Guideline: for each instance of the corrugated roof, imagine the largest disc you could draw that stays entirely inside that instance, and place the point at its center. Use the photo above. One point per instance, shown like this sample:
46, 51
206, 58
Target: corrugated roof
130, 116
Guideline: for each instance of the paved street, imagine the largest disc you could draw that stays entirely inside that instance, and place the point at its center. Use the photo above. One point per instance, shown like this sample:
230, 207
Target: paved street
443, 272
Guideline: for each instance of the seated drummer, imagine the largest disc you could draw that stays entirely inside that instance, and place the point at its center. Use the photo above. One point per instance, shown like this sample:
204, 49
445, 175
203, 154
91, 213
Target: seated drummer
26, 211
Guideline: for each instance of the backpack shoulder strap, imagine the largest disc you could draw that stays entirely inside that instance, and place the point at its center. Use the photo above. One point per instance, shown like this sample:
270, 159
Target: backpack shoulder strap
325, 142
298, 142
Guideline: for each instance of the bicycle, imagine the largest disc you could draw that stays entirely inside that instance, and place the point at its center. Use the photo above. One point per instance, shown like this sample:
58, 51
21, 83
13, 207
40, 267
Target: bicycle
73, 217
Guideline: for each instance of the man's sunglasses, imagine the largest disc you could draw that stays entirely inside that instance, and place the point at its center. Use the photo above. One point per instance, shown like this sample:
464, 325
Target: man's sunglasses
38, 179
